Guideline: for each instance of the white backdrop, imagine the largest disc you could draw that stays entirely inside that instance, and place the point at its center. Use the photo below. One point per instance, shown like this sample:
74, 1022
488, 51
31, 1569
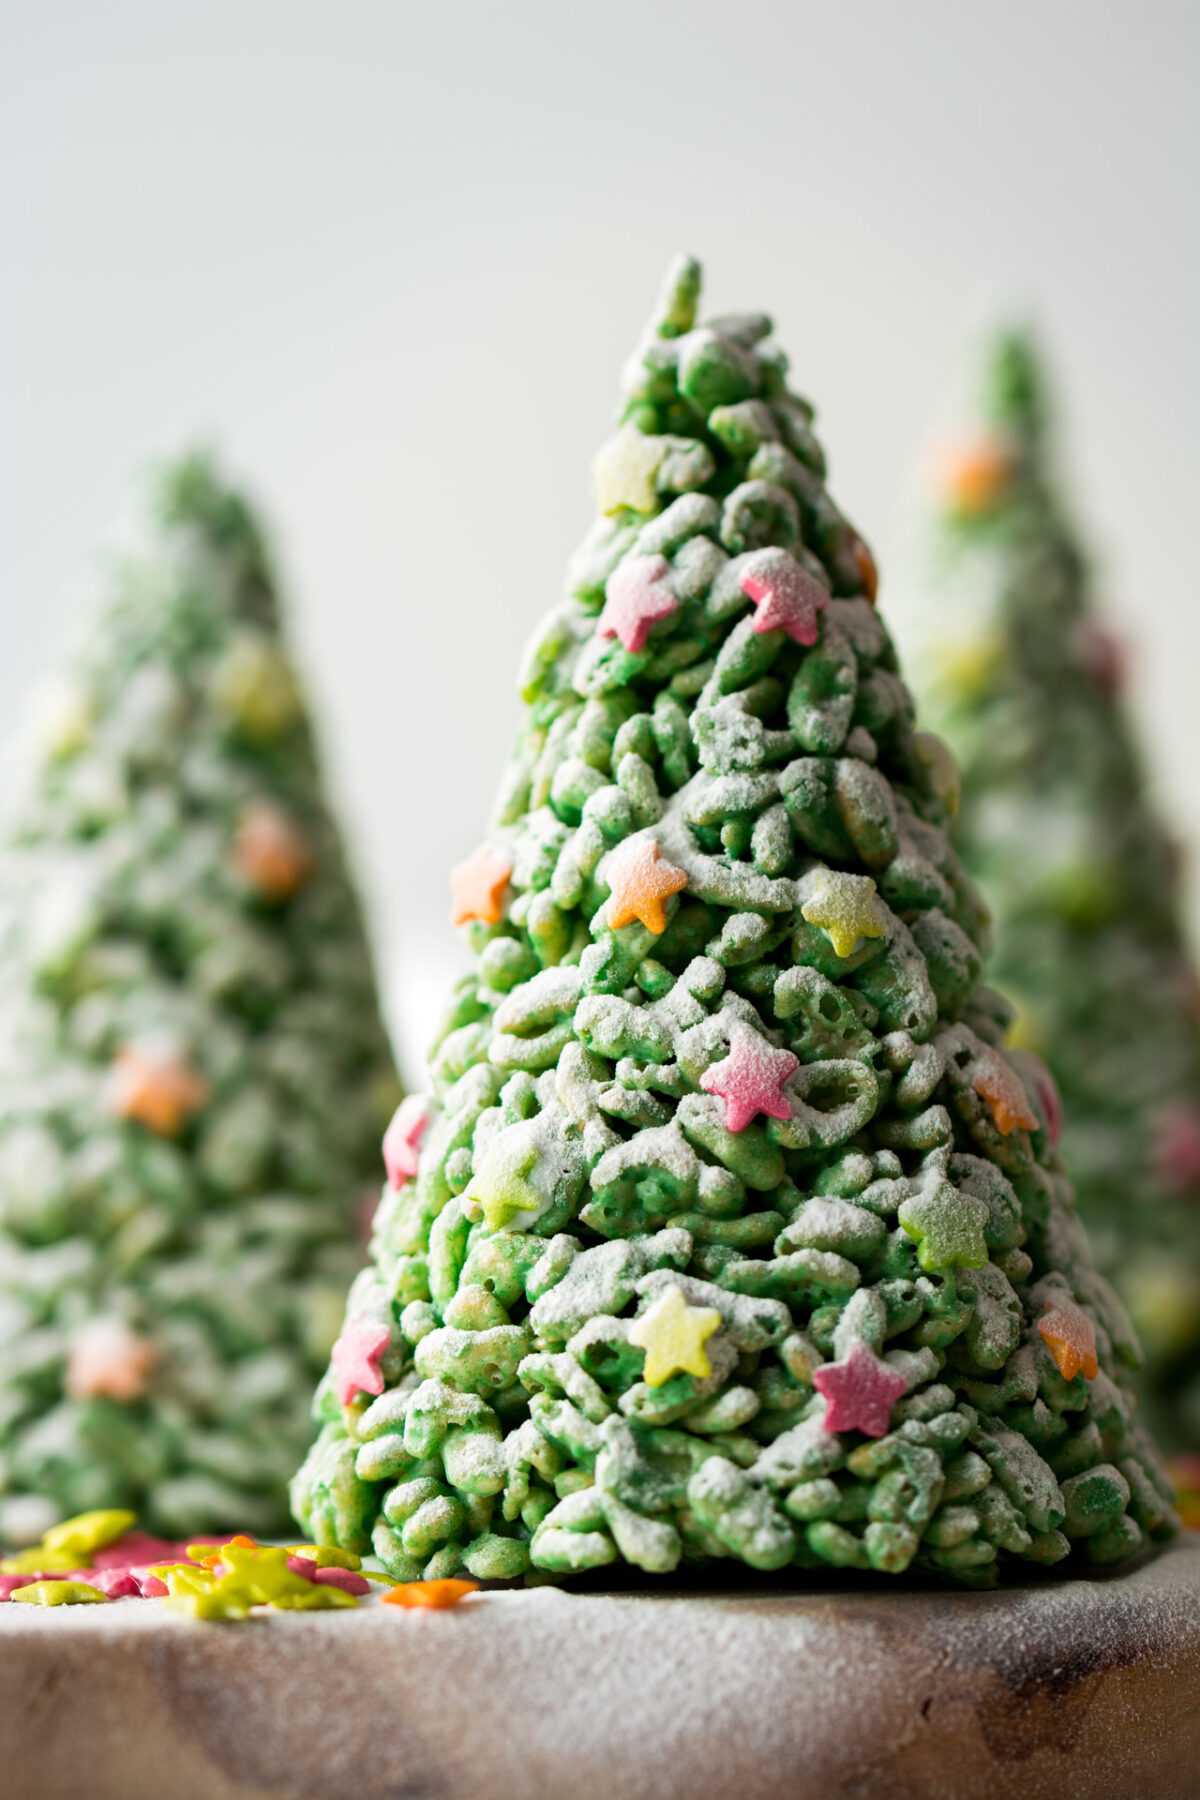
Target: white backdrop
390, 259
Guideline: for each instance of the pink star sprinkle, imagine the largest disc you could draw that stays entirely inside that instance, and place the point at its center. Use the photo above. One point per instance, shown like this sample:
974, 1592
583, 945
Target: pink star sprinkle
402, 1139
348, 1580
150, 1586
1047, 1092
788, 598
136, 1549
118, 1584
1103, 655
1177, 1149
750, 1079
356, 1358
859, 1392
637, 595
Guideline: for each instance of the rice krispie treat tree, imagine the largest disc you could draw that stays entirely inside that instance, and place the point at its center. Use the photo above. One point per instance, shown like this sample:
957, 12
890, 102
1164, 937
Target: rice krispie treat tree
730, 1228
195, 1070
1058, 828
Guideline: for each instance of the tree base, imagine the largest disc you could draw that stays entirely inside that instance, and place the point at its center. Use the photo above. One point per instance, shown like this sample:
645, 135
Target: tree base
1072, 1687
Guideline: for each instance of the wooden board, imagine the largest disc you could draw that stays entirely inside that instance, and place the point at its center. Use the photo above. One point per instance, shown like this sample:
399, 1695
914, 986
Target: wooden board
1065, 1690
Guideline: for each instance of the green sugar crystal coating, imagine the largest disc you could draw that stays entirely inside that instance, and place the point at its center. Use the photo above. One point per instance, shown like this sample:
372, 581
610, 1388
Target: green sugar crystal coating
170, 1282
1059, 828
903, 1221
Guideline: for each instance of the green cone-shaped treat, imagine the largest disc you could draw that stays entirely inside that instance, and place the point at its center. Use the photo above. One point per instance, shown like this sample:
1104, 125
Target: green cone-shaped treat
1059, 830
193, 1062
731, 1230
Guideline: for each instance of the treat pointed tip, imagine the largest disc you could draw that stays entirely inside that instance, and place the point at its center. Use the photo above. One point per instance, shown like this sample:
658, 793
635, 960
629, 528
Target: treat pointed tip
679, 297
1015, 382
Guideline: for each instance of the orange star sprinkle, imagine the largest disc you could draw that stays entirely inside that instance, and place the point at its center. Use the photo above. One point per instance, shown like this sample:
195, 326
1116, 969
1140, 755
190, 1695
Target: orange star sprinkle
435, 1596
107, 1358
478, 886
868, 571
974, 476
1005, 1097
159, 1092
1070, 1337
640, 884
1184, 1471
270, 853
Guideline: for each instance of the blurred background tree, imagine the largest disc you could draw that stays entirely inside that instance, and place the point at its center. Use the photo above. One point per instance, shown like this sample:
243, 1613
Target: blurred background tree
195, 1073
1059, 828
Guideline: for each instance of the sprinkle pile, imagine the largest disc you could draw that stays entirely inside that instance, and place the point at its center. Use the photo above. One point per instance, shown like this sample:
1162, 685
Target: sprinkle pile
98, 1556
730, 1227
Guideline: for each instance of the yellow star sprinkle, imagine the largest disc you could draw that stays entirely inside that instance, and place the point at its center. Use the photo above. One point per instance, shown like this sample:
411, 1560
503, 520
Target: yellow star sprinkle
943, 771
59, 1593
625, 471
89, 1531
38, 1559
315, 1599
673, 1334
197, 1591
325, 1556
261, 1576
847, 908
500, 1187
963, 668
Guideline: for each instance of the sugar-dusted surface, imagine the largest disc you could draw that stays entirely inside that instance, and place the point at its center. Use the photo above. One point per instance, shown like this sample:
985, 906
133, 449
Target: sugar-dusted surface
1064, 1688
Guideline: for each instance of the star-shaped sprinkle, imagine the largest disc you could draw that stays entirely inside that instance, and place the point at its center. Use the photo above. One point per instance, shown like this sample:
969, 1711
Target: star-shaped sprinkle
640, 884
500, 1188
868, 569
673, 1335
89, 1532
1103, 656
255, 686
974, 476
943, 771
107, 1358
211, 1554
1184, 1472
1177, 1149
39, 1561
478, 885
750, 1079
786, 596
999, 1087
155, 1090
260, 1574
948, 1227
201, 1593
1070, 1337
356, 1357
346, 1579
402, 1139
847, 908
435, 1596
626, 471
859, 1391
326, 1556
58, 1593
134, 1550
270, 854
316, 1597
637, 595
118, 1584
966, 665
1048, 1094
